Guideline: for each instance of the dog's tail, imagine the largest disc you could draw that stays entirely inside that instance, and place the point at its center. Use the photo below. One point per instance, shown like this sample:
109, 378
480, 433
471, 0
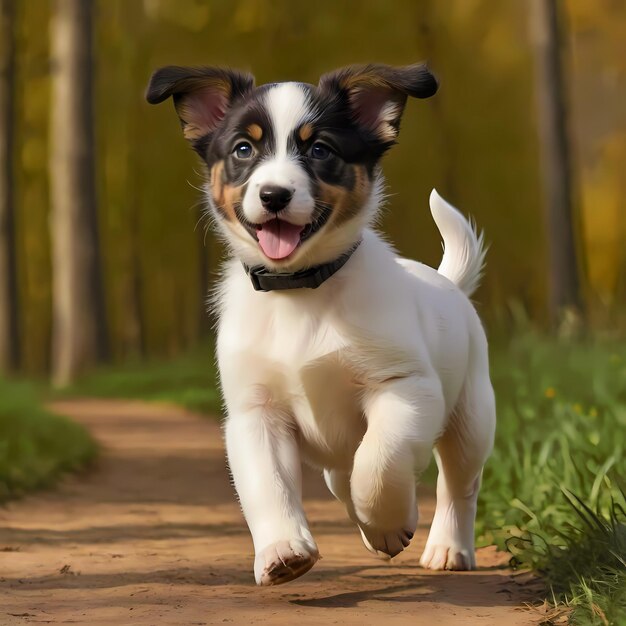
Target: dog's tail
463, 247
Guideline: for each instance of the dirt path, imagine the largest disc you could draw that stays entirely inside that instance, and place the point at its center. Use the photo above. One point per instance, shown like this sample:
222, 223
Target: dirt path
154, 536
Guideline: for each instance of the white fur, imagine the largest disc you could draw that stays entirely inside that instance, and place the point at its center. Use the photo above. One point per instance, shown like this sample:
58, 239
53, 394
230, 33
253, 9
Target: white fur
464, 251
360, 377
287, 106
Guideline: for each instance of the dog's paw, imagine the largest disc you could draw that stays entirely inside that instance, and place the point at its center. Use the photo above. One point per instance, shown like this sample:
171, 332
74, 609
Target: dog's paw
283, 561
385, 544
387, 535
447, 556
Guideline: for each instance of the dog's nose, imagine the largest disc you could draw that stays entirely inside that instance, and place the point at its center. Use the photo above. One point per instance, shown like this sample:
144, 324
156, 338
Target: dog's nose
275, 198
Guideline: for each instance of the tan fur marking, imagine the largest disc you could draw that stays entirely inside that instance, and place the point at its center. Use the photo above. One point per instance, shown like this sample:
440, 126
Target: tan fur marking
332, 196
387, 132
359, 81
217, 183
347, 203
305, 132
190, 131
255, 131
231, 195
216, 177
224, 196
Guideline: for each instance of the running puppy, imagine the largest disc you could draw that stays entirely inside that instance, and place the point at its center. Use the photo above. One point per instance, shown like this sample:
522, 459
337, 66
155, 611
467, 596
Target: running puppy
332, 349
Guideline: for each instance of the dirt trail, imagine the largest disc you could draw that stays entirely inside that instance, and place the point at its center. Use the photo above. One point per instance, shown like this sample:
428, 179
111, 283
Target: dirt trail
153, 535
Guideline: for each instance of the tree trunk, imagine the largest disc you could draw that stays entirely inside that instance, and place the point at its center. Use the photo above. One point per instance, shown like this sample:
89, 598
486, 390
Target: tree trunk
140, 66
135, 333
79, 328
564, 275
9, 325
426, 26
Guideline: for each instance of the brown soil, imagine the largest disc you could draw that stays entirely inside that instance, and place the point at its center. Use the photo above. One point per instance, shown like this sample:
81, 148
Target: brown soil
153, 535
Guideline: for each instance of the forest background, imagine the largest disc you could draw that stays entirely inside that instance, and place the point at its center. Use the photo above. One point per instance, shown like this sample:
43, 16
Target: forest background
479, 142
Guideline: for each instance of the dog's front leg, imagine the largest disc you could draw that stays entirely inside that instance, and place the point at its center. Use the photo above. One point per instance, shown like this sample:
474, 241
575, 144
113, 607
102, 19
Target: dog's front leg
264, 460
404, 418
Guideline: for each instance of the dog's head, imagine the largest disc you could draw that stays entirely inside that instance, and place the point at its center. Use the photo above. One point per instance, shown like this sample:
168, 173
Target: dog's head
293, 168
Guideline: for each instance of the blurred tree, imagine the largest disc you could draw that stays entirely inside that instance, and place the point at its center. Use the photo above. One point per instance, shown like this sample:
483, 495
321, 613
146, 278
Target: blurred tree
598, 79
32, 112
564, 298
9, 326
122, 28
477, 142
79, 330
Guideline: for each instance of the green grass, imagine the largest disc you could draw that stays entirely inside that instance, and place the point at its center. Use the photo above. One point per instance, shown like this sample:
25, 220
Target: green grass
561, 431
188, 380
586, 566
36, 447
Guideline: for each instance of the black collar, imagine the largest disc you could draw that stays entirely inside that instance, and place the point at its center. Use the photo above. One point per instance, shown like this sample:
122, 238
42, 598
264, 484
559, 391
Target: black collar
311, 278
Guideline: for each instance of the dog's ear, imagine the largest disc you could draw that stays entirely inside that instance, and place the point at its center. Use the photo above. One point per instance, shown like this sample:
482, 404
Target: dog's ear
202, 95
377, 94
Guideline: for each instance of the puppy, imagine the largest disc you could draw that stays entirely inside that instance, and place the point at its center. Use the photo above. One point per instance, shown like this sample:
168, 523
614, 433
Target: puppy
331, 349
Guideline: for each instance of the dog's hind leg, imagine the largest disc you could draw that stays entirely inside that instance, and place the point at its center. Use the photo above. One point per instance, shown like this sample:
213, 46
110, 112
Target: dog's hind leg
338, 483
264, 459
461, 453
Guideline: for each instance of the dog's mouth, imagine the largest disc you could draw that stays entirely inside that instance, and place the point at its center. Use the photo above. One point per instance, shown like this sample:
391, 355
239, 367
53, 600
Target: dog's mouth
278, 238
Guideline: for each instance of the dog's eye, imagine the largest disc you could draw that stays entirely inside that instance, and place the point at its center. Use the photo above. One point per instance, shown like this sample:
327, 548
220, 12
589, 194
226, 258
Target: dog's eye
319, 151
243, 150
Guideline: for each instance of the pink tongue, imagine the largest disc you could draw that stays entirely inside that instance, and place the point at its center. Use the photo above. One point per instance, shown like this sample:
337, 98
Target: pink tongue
278, 239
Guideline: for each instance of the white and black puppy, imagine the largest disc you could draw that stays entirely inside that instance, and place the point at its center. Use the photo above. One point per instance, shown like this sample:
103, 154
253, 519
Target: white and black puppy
332, 349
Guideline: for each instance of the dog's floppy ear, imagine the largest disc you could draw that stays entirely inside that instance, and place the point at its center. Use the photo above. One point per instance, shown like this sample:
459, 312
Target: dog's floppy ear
377, 93
202, 95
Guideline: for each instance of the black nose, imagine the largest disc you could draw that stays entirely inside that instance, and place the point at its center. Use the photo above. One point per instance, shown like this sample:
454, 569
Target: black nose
275, 198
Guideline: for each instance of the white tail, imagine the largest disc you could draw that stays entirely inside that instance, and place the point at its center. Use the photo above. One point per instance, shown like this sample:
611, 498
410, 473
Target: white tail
463, 248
